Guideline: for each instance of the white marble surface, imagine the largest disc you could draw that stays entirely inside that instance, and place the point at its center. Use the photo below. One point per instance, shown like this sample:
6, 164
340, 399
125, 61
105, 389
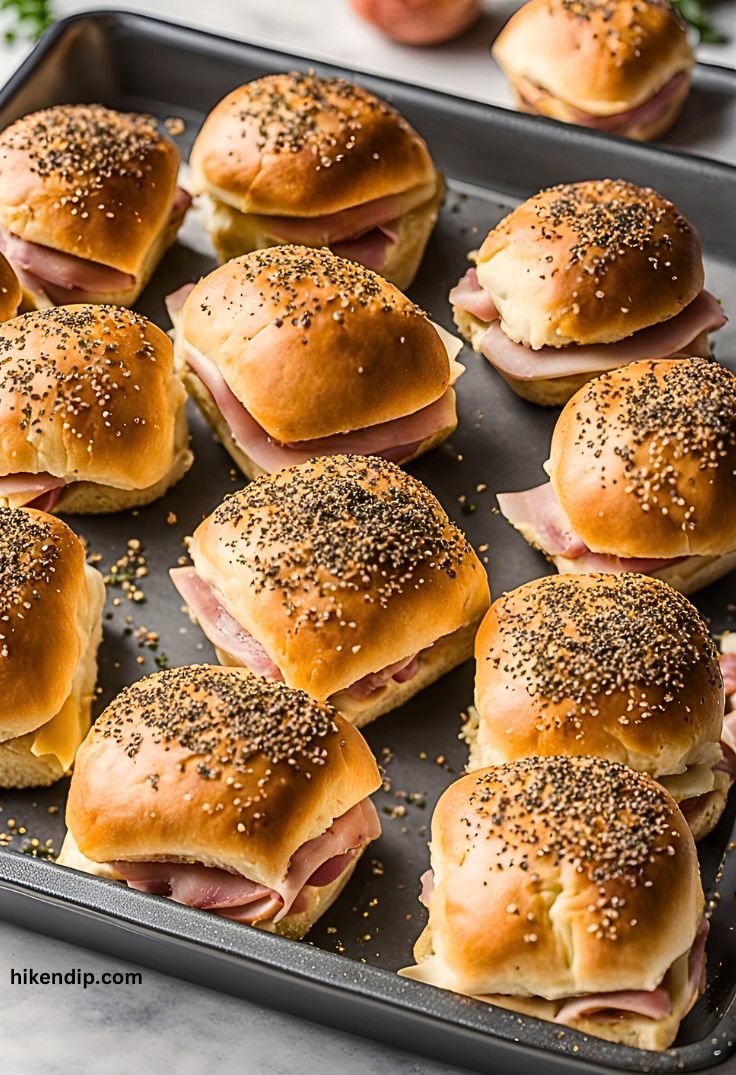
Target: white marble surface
163, 1023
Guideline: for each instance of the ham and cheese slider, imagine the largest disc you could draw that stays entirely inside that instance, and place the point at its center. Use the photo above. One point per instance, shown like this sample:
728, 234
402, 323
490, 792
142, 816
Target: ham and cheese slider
582, 278
293, 158
226, 792
642, 476
92, 411
620, 666
50, 627
89, 203
622, 67
343, 577
567, 889
293, 353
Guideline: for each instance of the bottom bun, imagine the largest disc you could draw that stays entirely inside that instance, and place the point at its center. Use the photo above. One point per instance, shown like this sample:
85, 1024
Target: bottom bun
706, 811
89, 498
19, 768
637, 1031
245, 464
688, 576
294, 926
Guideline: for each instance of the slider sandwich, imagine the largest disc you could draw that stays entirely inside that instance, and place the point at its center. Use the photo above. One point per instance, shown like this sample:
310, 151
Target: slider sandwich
10, 291
92, 411
342, 577
226, 792
567, 889
293, 353
50, 627
619, 666
293, 158
623, 67
583, 278
89, 203
642, 476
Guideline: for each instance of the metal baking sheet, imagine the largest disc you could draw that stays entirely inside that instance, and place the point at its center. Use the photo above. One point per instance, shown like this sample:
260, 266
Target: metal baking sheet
345, 974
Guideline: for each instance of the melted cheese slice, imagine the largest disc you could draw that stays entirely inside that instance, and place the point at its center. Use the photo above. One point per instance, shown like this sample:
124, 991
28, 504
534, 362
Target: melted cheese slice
696, 780
62, 734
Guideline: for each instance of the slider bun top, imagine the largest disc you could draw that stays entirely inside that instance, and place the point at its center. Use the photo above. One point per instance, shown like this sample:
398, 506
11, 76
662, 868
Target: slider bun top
10, 290
312, 344
299, 145
89, 181
560, 876
340, 567
621, 666
214, 765
643, 460
590, 262
43, 598
599, 56
87, 393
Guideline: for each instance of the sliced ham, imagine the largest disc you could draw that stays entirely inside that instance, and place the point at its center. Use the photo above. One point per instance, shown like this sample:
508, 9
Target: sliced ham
427, 882
175, 301
539, 511
222, 630
333, 227
728, 670
619, 123
66, 278
665, 340
696, 959
668, 339
317, 863
401, 671
370, 249
468, 295
41, 491
396, 440
608, 1007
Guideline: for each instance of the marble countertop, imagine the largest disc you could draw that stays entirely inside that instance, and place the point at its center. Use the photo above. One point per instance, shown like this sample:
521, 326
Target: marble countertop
163, 1022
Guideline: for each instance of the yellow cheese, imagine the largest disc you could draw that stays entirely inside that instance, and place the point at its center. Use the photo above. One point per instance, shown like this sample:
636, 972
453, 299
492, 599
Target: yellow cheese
61, 735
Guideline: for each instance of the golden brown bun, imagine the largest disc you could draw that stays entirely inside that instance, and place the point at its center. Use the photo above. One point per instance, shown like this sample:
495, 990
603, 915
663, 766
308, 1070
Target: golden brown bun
599, 56
214, 765
10, 290
590, 262
360, 352
648, 130
89, 394
89, 181
557, 877
248, 465
643, 459
234, 233
620, 666
299, 145
340, 567
295, 925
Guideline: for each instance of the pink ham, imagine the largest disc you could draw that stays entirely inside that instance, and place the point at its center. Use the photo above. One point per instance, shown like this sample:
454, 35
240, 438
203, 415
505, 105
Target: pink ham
621, 122
334, 227
396, 440
41, 491
66, 278
222, 630
370, 249
696, 959
668, 339
401, 671
317, 863
175, 301
728, 670
468, 295
427, 882
608, 1007
539, 510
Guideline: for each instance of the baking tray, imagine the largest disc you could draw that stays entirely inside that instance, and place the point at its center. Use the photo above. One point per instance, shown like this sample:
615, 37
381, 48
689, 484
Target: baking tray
345, 974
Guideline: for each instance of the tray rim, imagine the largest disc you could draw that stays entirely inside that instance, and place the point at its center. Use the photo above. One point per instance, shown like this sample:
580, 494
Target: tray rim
490, 1038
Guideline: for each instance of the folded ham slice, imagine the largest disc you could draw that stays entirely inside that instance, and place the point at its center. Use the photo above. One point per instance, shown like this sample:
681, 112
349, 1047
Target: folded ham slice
331, 228
539, 513
371, 248
317, 863
228, 635
40, 491
608, 1007
65, 278
668, 339
223, 631
728, 671
642, 115
396, 440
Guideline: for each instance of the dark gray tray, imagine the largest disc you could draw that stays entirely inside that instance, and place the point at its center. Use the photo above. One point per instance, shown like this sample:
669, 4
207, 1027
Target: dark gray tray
345, 975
